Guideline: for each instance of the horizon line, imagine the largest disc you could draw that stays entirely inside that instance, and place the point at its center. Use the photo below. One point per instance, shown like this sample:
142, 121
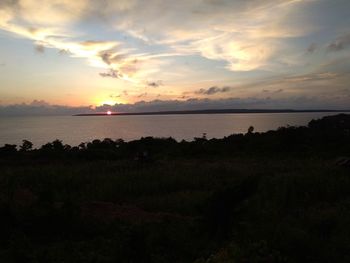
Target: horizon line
208, 111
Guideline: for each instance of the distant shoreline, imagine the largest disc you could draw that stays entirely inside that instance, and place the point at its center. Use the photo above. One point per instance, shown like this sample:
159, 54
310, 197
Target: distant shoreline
213, 111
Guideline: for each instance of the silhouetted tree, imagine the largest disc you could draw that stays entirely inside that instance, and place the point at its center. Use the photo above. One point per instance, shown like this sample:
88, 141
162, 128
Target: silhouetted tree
119, 142
82, 146
57, 145
26, 146
8, 148
250, 130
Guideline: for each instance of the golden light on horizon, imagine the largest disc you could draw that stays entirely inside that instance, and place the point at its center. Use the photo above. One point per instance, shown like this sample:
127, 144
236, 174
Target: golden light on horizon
103, 100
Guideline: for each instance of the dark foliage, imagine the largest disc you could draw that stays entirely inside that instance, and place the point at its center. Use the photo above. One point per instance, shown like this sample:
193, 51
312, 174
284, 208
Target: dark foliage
279, 196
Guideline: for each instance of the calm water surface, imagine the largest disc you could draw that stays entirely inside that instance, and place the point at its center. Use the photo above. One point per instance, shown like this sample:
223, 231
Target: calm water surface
74, 130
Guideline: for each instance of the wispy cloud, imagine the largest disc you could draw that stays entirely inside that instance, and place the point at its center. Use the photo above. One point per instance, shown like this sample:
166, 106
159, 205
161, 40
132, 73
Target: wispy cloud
273, 91
155, 84
213, 90
50, 24
313, 77
340, 43
111, 74
221, 31
40, 48
312, 48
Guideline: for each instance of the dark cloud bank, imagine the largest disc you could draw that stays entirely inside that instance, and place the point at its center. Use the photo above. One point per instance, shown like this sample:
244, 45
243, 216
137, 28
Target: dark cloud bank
43, 108
40, 108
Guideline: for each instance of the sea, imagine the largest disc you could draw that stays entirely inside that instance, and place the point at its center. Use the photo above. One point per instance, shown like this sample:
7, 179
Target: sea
73, 130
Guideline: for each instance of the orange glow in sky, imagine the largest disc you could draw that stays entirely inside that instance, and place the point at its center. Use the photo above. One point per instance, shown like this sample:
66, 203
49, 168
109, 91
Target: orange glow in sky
232, 54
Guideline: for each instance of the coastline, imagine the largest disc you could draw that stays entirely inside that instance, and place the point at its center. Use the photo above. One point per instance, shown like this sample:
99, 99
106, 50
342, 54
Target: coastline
209, 111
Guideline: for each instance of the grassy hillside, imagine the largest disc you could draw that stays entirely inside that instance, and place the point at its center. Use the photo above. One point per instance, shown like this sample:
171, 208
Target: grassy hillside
280, 196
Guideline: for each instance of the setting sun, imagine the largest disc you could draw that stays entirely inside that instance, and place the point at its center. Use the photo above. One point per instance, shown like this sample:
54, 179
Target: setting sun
109, 112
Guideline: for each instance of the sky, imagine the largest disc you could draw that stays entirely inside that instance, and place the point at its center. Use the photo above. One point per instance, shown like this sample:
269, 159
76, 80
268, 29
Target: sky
80, 56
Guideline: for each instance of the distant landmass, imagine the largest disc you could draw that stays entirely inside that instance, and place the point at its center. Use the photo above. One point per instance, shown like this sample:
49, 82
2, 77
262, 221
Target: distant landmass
208, 111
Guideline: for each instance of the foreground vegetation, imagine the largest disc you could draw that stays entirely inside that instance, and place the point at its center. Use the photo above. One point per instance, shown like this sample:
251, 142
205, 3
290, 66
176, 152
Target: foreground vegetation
280, 196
